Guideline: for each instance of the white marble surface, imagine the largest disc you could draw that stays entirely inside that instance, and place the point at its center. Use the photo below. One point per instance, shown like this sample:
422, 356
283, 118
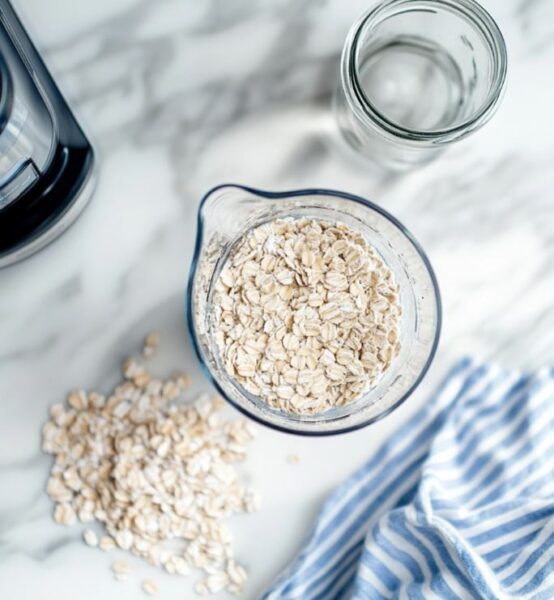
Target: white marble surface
180, 95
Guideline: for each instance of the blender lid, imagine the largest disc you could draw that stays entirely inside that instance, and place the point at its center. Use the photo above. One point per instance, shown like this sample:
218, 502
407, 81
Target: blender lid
45, 158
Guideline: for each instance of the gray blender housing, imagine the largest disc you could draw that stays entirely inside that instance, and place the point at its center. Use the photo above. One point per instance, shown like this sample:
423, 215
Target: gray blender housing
46, 160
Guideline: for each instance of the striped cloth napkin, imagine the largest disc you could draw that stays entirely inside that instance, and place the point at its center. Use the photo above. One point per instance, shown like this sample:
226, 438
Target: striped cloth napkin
458, 503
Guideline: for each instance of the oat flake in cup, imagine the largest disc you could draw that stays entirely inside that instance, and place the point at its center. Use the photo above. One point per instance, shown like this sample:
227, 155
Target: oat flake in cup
306, 314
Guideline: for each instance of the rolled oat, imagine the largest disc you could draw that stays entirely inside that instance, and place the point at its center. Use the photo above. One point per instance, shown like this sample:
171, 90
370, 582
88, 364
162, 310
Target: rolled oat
150, 588
306, 314
153, 471
91, 539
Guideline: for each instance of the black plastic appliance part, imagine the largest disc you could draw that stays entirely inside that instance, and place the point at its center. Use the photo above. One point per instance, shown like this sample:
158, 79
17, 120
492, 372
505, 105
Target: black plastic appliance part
46, 160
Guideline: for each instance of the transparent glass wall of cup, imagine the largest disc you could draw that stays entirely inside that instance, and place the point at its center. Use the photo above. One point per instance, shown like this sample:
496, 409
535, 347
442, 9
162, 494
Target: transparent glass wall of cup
416, 76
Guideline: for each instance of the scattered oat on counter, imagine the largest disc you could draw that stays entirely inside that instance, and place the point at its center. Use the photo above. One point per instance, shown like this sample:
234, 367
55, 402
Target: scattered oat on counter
306, 314
106, 543
149, 587
293, 459
183, 380
91, 539
121, 570
156, 472
151, 343
64, 514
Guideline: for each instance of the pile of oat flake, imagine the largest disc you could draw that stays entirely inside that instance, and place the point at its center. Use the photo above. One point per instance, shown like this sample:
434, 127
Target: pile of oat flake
158, 474
306, 314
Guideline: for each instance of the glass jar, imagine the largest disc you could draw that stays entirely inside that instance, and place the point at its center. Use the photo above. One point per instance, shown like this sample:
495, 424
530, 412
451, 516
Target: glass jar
228, 212
416, 76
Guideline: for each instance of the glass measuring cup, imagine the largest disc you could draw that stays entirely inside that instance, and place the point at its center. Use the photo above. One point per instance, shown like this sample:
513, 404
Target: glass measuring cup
229, 211
416, 76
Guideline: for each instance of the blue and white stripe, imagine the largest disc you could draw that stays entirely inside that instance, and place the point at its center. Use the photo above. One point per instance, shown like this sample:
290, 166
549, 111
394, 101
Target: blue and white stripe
458, 503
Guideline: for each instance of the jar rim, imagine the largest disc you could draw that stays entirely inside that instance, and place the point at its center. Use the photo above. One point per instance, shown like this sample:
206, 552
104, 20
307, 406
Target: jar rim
479, 18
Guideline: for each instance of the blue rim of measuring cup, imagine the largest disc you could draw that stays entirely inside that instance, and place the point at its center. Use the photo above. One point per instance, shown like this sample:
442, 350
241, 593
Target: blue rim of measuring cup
292, 194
